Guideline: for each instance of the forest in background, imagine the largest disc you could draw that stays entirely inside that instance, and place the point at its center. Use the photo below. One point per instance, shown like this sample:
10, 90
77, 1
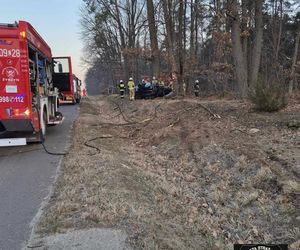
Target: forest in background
227, 44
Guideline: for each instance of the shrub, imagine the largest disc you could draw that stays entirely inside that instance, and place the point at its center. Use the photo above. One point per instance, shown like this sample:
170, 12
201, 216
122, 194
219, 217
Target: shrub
267, 97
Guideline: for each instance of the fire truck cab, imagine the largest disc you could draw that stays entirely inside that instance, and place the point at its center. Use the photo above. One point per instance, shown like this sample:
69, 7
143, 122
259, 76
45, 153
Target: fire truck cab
28, 97
68, 84
77, 88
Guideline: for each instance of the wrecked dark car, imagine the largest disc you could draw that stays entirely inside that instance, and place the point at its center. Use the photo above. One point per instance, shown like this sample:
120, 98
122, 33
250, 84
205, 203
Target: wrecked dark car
151, 91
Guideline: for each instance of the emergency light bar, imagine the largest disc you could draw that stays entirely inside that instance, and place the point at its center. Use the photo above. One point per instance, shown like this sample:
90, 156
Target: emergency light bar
9, 25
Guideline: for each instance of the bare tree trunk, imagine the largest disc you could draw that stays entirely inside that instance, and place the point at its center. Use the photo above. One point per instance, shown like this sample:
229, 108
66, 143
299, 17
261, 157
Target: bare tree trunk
245, 31
184, 25
196, 28
258, 42
238, 56
123, 41
184, 56
153, 38
167, 9
295, 56
217, 55
192, 30
277, 46
180, 45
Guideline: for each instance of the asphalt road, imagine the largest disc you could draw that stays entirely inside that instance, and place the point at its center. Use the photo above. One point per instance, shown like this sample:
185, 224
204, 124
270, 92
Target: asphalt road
26, 175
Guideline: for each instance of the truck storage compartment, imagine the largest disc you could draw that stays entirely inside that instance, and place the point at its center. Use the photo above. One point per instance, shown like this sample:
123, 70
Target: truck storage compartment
16, 126
62, 81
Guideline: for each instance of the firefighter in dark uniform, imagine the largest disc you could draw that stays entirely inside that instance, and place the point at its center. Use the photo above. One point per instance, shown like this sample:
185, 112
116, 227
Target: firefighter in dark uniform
122, 89
196, 88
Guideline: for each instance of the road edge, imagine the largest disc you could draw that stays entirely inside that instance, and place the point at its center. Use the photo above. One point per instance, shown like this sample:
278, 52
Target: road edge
34, 240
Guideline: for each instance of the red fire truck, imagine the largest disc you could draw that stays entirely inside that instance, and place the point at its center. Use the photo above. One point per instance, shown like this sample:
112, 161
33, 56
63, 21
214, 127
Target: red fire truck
68, 84
28, 97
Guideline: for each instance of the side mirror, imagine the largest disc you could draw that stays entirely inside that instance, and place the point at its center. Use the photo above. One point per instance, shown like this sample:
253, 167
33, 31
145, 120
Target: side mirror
60, 68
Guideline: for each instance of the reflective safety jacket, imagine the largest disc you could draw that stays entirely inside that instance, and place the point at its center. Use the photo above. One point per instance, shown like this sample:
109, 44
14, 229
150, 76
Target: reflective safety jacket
161, 83
122, 86
131, 85
196, 87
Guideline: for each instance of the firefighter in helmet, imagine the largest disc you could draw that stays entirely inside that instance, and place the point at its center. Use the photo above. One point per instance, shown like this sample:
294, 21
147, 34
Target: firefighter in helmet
196, 88
154, 82
131, 87
122, 88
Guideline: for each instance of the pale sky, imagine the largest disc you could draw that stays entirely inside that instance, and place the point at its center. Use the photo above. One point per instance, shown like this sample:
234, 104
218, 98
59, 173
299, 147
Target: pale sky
57, 21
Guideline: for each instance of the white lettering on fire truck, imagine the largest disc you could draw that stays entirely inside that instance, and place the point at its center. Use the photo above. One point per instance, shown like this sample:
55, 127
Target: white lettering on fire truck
14, 99
10, 53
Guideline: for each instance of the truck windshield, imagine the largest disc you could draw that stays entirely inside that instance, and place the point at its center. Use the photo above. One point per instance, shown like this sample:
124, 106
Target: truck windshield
61, 66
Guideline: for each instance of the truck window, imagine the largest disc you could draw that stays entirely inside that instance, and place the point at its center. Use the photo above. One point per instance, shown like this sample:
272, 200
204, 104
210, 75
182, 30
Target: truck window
61, 66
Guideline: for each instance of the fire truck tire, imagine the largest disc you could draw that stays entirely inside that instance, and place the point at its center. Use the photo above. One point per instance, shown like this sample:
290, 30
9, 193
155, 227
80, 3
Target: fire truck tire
41, 136
43, 130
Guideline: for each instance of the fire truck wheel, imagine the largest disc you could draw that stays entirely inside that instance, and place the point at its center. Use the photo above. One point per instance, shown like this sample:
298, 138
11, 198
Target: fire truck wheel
44, 125
40, 137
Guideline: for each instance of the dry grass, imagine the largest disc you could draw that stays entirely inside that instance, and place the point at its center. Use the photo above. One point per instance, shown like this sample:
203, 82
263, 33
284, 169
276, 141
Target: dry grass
178, 178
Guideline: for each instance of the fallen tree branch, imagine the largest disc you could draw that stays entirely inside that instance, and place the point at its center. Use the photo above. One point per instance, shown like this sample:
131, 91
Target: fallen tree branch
135, 122
110, 124
154, 115
116, 115
237, 129
195, 107
122, 113
209, 111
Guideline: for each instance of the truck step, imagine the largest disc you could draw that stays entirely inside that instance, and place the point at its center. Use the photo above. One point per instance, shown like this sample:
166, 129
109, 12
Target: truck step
7, 142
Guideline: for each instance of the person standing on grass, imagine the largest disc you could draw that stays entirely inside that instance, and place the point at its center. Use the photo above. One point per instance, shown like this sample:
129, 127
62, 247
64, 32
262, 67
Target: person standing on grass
196, 88
161, 82
122, 89
131, 87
